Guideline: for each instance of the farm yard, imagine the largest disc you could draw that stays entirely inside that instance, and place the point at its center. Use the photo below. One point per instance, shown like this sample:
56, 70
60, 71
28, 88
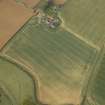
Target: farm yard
86, 19
60, 60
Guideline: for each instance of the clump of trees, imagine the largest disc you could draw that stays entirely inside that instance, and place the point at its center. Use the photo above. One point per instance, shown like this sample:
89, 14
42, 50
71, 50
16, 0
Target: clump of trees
49, 8
52, 14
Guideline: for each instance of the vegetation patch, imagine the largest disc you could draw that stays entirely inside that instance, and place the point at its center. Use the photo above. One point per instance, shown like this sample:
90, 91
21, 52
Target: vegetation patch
58, 58
86, 19
16, 83
97, 90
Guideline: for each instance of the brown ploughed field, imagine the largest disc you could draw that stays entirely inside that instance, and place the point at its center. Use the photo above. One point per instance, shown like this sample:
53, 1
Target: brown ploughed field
12, 18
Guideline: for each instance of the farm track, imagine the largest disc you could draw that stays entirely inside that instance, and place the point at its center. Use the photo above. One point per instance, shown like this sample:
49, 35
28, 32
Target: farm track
92, 75
78, 36
97, 85
27, 70
86, 18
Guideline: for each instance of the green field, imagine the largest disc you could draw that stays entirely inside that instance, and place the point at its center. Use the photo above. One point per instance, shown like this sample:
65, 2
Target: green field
17, 84
4, 99
40, 65
86, 18
97, 90
59, 59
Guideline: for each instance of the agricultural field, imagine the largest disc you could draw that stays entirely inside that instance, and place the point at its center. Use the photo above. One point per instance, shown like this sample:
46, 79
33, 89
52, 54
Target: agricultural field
31, 3
4, 99
28, 3
16, 86
52, 52
97, 89
60, 60
86, 18
12, 18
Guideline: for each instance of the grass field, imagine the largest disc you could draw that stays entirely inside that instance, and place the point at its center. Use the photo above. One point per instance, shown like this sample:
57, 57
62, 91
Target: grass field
17, 84
4, 99
97, 90
59, 59
86, 19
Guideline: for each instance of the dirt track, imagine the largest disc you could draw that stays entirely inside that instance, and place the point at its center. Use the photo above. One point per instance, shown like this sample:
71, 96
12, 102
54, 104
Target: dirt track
12, 18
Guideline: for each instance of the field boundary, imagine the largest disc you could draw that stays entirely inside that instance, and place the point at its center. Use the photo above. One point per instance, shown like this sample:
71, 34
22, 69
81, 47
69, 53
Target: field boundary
93, 69
27, 70
77, 36
9, 39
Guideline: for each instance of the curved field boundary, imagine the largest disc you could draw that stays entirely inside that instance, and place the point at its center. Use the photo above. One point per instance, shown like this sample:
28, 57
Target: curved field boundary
28, 71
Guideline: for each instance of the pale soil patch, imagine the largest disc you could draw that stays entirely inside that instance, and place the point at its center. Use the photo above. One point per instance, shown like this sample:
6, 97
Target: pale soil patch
12, 17
66, 97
